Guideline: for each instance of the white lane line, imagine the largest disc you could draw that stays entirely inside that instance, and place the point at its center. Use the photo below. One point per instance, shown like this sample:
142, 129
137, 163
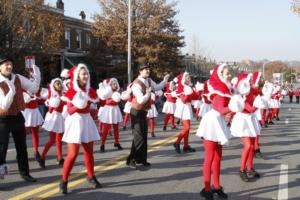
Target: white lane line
10, 150
283, 183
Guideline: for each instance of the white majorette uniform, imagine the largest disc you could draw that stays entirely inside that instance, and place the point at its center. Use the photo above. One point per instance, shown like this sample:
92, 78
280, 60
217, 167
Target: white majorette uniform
110, 114
79, 125
170, 104
152, 113
80, 128
245, 123
198, 102
54, 121
206, 105
184, 111
127, 96
65, 75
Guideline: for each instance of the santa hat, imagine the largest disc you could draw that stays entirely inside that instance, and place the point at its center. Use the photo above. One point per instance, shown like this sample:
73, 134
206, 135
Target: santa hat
181, 78
65, 74
109, 82
74, 74
256, 77
169, 86
243, 84
217, 84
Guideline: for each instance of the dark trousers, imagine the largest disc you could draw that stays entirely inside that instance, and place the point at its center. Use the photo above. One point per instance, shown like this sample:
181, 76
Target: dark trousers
138, 151
14, 125
291, 99
297, 99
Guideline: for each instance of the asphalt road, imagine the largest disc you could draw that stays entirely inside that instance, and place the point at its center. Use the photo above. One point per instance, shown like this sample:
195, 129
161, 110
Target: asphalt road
171, 176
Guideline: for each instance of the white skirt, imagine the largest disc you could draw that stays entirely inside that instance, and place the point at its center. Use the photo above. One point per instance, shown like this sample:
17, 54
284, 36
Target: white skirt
258, 114
33, 117
276, 103
213, 127
65, 111
152, 112
197, 104
245, 125
54, 122
271, 103
204, 109
127, 107
183, 111
80, 128
110, 114
169, 108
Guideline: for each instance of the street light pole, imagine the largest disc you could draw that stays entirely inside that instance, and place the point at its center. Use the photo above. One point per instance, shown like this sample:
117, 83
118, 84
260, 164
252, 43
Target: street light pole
129, 42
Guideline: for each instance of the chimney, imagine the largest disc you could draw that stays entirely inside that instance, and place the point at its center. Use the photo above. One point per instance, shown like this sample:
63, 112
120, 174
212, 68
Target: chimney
82, 14
60, 4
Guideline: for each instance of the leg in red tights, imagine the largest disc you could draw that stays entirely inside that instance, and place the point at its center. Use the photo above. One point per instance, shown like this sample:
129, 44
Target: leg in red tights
51, 141
59, 146
152, 124
184, 132
106, 129
35, 138
251, 154
100, 127
116, 133
89, 158
126, 119
70, 159
248, 147
172, 121
166, 119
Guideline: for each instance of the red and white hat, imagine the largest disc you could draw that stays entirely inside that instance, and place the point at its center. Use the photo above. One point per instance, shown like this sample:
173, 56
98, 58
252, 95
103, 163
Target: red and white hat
169, 86
243, 84
181, 82
109, 82
256, 77
217, 84
51, 90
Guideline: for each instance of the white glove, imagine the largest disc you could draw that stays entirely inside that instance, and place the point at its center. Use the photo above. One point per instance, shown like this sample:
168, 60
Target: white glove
104, 92
236, 103
54, 102
36, 73
44, 93
260, 103
187, 90
166, 77
125, 95
199, 86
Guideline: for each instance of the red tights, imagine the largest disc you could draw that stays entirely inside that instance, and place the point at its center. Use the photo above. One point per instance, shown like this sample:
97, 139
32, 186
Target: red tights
106, 129
184, 134
73, 150
35, 137
54, 137
212, 162
126, 119
247, 153
171, 118
152, 125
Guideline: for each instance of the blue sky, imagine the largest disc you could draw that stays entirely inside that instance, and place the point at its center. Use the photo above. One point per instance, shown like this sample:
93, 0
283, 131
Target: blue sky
229, 30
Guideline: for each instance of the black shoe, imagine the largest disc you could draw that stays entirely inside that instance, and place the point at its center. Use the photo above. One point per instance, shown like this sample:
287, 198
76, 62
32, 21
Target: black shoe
124, 128
258, 154
164, 128
131, 164
244, 176
177, 148
61, 162
102, 148
118, 146
37, 156
153, 135
277, 118
93, 180
220, 193
271, 123
265, 125
42, 163
189, 149
175, 128
146, 164
207, 195
63, 187
28, 178
253, 174
178, 122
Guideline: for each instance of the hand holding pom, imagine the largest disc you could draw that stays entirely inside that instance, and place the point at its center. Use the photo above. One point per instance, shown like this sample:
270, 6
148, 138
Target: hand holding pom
236, 103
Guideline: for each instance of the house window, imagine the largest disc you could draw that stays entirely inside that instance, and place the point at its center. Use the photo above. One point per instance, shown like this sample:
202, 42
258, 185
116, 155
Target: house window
67, 39
78, 40
88, 40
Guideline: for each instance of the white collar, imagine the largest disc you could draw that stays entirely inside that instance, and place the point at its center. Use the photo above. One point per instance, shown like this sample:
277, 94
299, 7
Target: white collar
3, 78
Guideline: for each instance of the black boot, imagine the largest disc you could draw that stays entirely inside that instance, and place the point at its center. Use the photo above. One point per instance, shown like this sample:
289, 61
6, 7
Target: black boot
102, 148
164, 128
63, 187
93, 181
188, 149
118, 146
178, 122
258, 154
253, 174
153, 135
220, 193
244, 176
265, 125
124, 128
42, 163
177, 148
61, 162
28, 178
37, 156
207, 195
174, 128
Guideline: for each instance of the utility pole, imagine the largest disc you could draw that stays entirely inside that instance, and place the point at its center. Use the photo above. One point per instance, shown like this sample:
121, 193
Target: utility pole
129, 42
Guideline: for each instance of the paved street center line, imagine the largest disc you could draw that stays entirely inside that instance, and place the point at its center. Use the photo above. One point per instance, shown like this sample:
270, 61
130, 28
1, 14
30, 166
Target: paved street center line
283, 183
